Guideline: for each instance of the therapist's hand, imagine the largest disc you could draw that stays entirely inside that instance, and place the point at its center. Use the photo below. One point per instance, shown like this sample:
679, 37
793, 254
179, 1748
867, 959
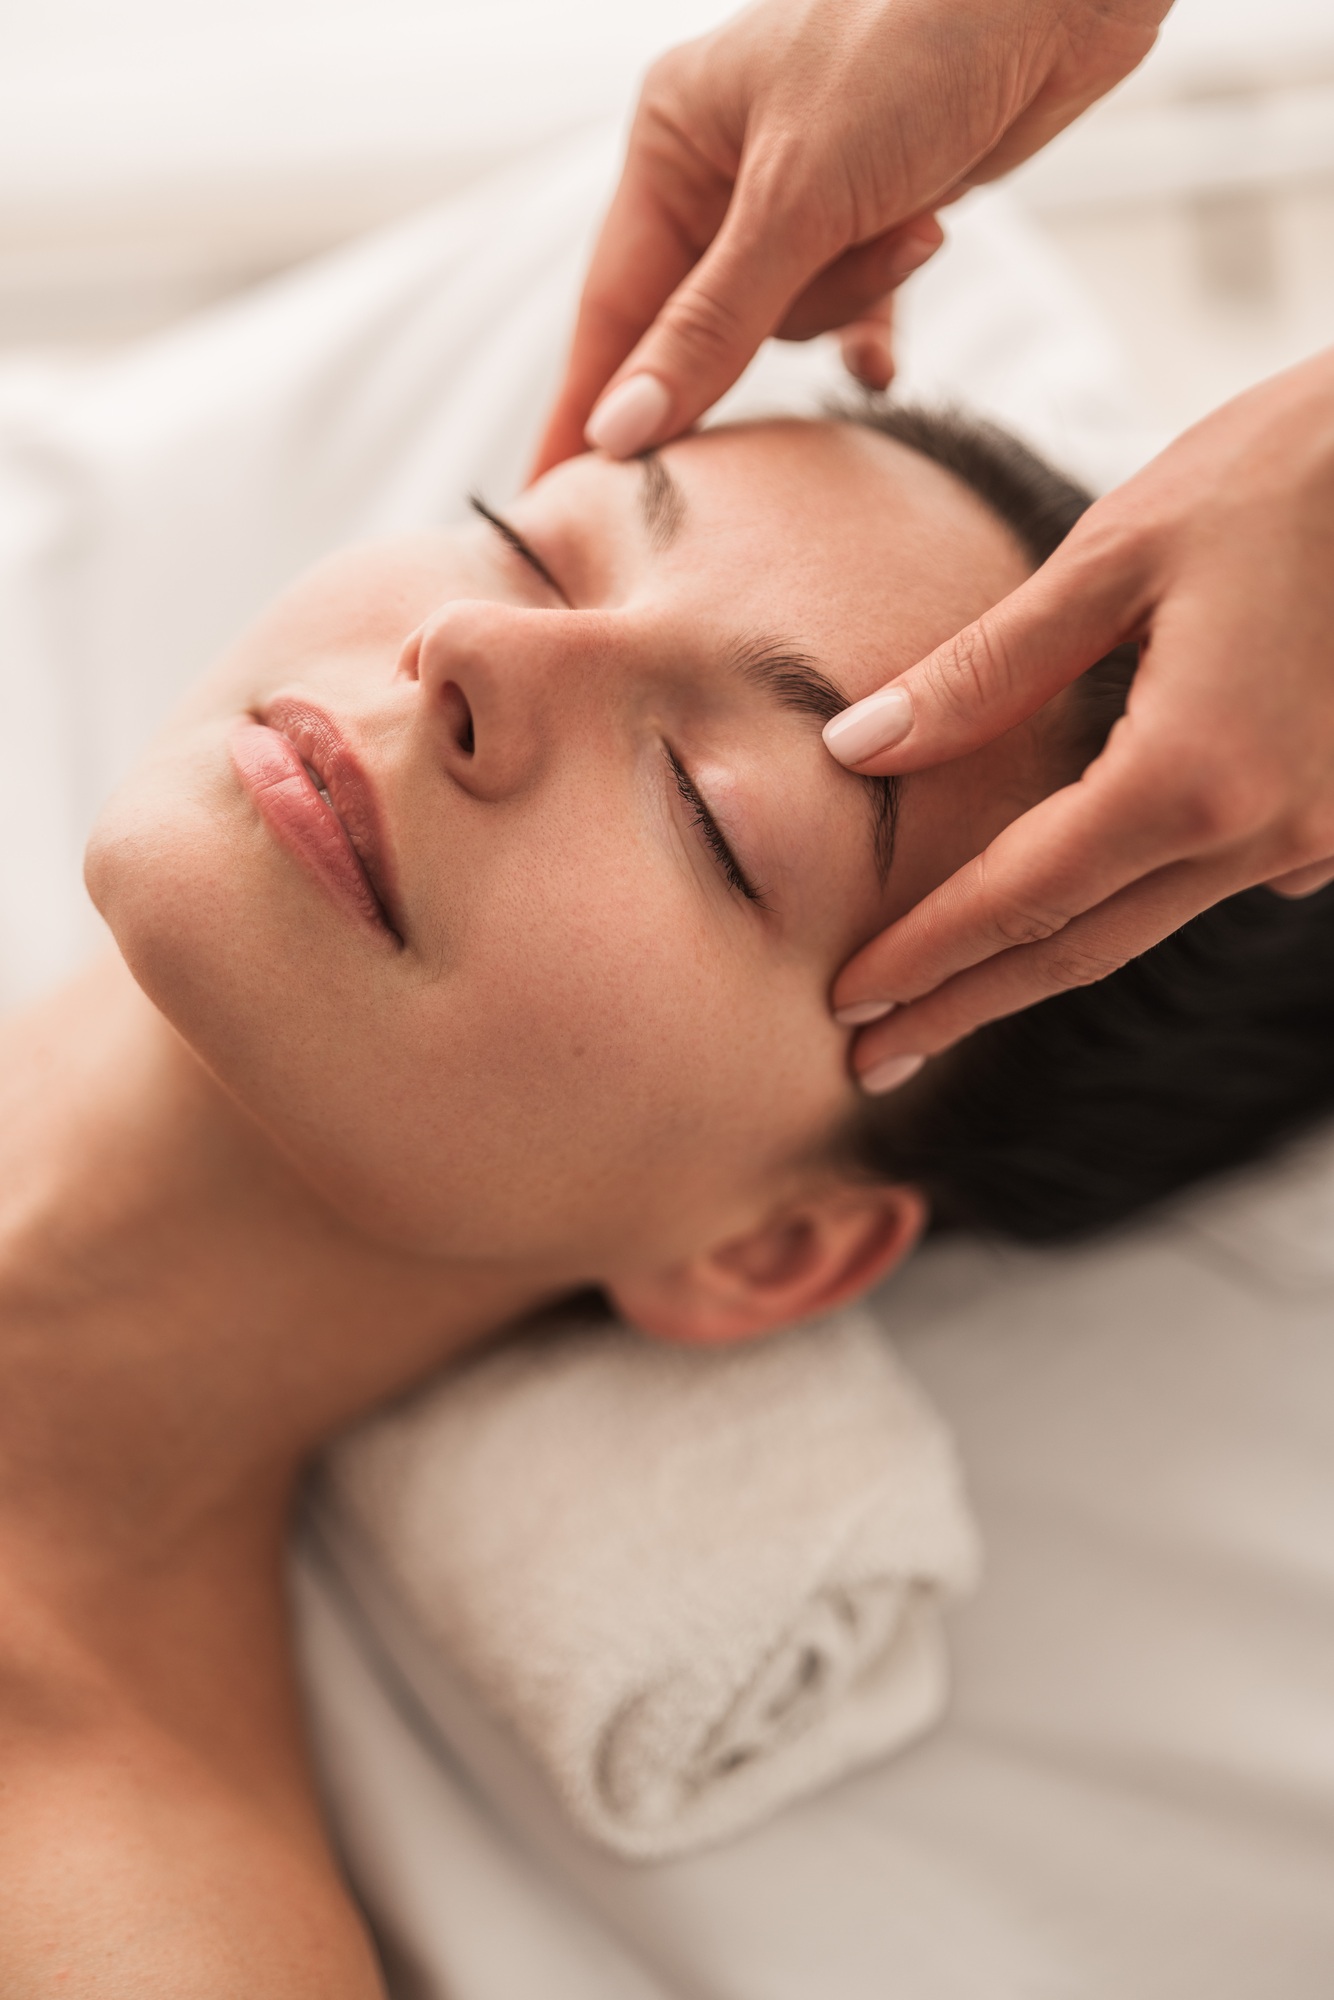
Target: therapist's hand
1219, 558
781, 177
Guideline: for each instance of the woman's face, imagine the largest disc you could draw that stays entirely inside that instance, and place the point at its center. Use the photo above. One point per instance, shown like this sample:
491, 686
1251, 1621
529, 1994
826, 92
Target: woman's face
621, 868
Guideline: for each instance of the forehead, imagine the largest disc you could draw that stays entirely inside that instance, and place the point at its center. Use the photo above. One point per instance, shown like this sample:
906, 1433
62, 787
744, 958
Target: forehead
861, 550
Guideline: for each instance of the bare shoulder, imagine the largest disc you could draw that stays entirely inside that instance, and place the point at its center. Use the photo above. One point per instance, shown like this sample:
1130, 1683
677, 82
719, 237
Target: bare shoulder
160, 1838
131, 1866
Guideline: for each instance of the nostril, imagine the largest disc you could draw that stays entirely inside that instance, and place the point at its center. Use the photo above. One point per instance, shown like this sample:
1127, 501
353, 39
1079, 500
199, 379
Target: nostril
455, 704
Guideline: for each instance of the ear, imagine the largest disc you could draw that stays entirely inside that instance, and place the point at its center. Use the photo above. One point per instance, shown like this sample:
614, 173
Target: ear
805, 1258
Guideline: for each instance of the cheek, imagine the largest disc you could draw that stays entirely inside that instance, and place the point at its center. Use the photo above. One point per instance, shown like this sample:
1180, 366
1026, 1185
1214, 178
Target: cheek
605, 1077
599, 1075
248, 964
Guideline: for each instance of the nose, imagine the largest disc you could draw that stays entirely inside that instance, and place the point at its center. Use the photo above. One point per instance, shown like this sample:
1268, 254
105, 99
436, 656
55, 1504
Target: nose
498, 682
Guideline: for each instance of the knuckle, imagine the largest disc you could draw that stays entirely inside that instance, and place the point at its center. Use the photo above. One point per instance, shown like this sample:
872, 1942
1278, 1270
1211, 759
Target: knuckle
1113, 539
1074, 964
1214, 800
777, 228
1202, 816
779, 193
703, 323
964, 674
664, 73
1026, 926
666, 88
1016, 918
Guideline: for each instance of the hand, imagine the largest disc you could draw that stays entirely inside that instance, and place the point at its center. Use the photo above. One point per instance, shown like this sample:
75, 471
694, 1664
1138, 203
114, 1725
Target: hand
1219, 558
781, 178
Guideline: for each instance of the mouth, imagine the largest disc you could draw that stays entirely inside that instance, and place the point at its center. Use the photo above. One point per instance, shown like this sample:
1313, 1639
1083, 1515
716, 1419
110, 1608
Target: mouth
318, 799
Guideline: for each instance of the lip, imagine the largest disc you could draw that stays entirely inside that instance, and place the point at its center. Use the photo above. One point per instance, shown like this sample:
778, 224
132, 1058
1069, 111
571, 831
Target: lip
340, 840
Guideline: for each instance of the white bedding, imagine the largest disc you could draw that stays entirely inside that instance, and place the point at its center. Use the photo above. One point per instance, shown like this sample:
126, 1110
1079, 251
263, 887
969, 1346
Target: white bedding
1134, 1794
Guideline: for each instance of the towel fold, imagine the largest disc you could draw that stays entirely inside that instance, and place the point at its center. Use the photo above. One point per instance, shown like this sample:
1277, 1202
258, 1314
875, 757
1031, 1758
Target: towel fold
693, 1584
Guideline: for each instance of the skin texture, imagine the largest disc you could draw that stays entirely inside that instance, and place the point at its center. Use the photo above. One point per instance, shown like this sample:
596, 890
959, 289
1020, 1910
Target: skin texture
781, 175
266, 1168
579, 983
1217, 557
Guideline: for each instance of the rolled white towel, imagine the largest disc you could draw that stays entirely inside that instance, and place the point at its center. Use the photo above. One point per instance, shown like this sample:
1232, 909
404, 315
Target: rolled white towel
693, 1584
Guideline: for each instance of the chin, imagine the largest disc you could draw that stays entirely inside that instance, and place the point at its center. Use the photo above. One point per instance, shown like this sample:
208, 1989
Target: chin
162, 869
262, 982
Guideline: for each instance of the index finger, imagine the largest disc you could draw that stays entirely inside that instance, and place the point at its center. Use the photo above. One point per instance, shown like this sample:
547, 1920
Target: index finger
642, 253
1123, 820
1085, 600
1091, 948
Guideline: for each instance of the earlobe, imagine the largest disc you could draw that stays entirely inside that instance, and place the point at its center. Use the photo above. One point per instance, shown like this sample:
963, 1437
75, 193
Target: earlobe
806, 1258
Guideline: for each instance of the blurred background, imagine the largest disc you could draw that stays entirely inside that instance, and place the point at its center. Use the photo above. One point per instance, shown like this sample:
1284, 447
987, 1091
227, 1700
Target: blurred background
156, 155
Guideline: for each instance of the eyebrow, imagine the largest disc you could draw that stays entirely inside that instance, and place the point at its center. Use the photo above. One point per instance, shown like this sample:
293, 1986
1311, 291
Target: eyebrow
780, 670
662, 504
792, 679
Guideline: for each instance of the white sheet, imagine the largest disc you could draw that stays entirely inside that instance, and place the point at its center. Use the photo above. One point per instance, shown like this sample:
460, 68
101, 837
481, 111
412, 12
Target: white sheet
1133, 1792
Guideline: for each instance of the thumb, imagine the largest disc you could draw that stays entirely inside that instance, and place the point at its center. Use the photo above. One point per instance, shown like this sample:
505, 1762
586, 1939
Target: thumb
1083, 602
709, 328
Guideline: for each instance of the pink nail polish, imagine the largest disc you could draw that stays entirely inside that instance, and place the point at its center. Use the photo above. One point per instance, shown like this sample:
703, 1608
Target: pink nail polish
889, 1074
870, 726
626, 419
858, 1013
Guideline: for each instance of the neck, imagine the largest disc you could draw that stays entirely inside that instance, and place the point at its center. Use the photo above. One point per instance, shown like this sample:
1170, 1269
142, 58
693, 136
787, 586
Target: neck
169, 1283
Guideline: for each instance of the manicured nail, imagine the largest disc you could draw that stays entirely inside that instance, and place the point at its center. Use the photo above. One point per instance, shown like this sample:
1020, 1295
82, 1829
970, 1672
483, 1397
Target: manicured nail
625, 420
870, 726
889, 1074
859, 1012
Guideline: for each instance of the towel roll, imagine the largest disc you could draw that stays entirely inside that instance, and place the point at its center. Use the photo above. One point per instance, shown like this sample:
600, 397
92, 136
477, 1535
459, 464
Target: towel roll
693, 1584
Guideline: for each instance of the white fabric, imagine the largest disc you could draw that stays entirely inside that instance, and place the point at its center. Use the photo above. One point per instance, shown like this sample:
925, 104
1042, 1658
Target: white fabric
695, 1585
1133, 1789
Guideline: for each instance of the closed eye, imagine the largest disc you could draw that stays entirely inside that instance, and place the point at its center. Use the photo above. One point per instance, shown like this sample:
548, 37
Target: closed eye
514, 540
710, 831
712, 834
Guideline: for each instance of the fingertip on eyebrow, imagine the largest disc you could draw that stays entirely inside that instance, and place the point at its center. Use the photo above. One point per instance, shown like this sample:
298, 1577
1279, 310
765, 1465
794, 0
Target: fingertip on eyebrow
790, 677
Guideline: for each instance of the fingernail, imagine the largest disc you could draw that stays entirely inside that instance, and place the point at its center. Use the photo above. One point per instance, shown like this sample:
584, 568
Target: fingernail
869, 726
889, 1074
625, 420
858, 1012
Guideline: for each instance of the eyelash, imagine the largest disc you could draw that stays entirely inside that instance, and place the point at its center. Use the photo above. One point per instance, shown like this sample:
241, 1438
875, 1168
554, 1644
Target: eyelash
515, 541
708, 826
736, 876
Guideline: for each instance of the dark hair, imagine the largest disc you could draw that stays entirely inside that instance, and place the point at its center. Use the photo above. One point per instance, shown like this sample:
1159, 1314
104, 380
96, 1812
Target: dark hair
1212, 1047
